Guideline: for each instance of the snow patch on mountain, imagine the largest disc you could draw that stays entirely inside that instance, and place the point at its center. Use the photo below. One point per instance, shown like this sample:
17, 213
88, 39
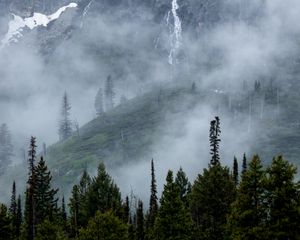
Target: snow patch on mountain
17, 24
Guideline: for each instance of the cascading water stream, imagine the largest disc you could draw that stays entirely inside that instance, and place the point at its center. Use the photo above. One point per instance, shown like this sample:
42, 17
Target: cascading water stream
175, 32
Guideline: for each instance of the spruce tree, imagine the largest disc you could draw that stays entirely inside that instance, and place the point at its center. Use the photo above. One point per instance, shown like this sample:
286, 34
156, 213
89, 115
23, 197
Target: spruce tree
244, 166
19, 218
173, 220
249, 212
235, 171
65, 124
184, 186
283, 198
153, 198
74, 210
5, 223
103, 194
30, 204
63, 210
45, 199
140, 231
99, 103
214, 139
13, 208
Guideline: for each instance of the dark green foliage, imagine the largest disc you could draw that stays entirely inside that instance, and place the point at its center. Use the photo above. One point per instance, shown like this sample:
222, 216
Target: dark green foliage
19, 217
13, 208
78, 202
44, 195
184, 186
126, 211
244, 166
211, 197
48, 230
173, 220
283, 198
214, 139
5, 223
63, 211
153, 208
140, 230
235, 172
249, 212
103, 194
6, 148
30, 205
104, 226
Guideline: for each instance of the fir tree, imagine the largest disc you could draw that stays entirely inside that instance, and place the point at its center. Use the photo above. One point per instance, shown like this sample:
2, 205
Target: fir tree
103, 194
249, 212
212, 195
283, 199
65, 124
30, 205
153, 198
235, 171
99, 103
19, 218
173, 220
109, 93
214, 139
244, 167
74, 210
13, 208
184, 186
5, 229
63, 210
140, 231
45, 200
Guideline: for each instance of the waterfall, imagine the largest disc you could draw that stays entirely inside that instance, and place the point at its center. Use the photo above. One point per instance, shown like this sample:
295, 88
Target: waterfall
175, 32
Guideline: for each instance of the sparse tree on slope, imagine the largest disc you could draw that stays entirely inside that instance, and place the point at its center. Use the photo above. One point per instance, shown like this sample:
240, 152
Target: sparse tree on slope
99, 103
153, 208
109, 93
65, 124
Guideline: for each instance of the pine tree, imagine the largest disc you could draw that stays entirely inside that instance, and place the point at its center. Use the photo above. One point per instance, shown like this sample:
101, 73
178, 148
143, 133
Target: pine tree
6, 148
153, 198
173, 220
140, 231
214, 139
109, 93
99, 102
235, 171
249, 212
283, 199
45, 200
65, 124
126, 211
184, 186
